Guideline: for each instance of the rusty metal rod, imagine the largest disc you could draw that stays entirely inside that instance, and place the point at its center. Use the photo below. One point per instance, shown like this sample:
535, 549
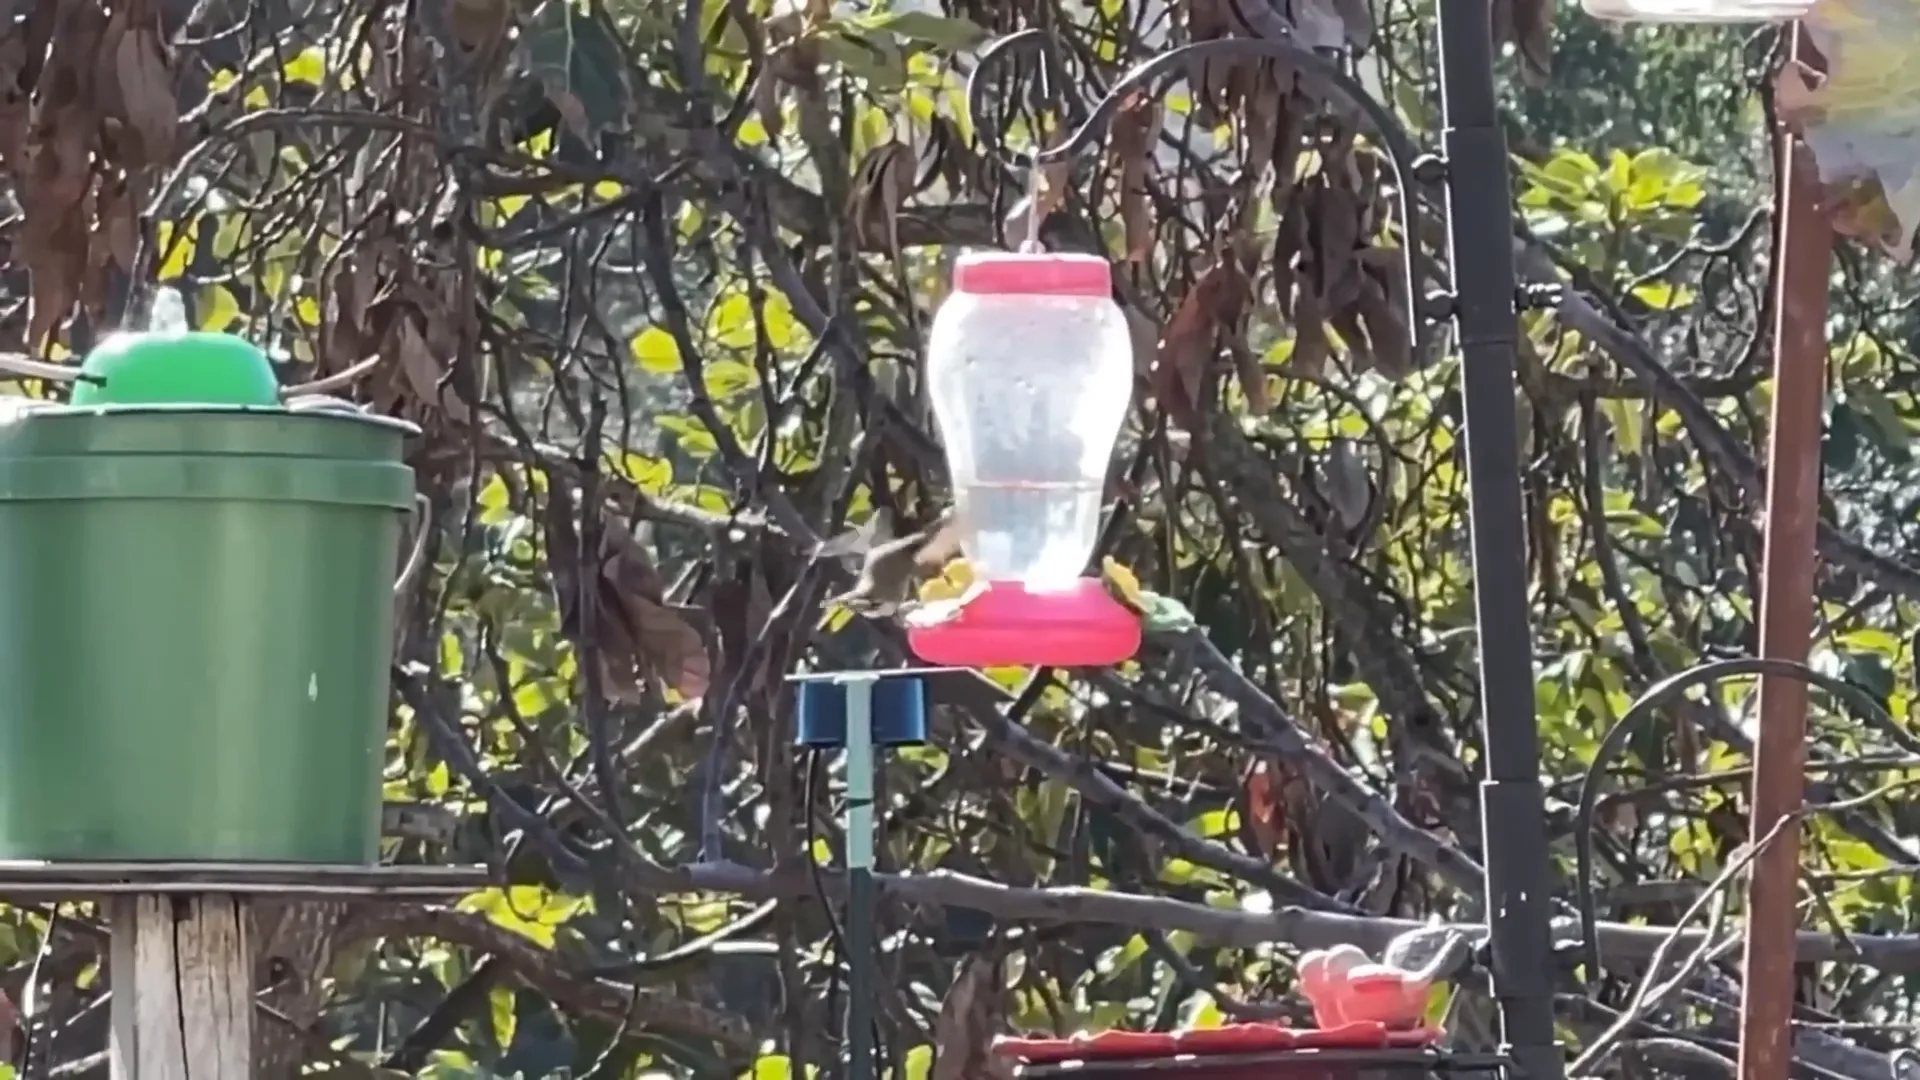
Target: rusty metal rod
1802, 263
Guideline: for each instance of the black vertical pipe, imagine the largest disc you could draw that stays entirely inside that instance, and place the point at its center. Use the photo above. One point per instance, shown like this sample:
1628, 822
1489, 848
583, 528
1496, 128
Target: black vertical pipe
860, 988
1513, 825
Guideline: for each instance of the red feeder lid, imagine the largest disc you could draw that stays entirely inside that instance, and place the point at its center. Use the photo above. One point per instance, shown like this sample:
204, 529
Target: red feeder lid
988, 273
1008, 626
1233, 1039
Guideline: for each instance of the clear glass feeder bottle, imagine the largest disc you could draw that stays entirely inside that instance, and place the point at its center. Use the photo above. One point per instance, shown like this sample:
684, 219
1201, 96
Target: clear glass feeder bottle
1030, 372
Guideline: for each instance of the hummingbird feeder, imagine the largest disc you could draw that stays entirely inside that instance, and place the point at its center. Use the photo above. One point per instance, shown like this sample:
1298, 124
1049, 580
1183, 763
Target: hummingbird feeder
1030, 372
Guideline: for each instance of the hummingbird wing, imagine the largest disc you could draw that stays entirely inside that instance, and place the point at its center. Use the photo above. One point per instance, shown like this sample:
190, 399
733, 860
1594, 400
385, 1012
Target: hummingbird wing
941, 546
856, 541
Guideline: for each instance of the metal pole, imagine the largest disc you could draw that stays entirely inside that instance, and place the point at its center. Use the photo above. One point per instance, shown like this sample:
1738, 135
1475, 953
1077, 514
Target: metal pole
859, 760
1801, 265
1479, 241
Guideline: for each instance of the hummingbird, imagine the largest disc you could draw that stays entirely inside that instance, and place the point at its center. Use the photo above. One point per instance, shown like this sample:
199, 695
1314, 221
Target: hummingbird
891, 568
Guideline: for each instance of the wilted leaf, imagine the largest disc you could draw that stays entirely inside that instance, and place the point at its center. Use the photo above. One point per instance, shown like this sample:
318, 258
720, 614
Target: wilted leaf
880, 189
1528, 24
969, 1018
1135, 134
637, 633
1265, 815
1215, 302
423, 369
146, 85
1349, 489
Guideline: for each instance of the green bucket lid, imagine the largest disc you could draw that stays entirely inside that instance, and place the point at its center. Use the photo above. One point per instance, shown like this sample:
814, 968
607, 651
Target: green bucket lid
177, 368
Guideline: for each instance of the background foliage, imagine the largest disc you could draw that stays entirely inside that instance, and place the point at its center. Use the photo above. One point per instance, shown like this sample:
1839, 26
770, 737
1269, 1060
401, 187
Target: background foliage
653, 279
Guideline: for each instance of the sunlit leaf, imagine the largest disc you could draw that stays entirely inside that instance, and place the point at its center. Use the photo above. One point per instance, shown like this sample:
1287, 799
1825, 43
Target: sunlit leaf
655, 350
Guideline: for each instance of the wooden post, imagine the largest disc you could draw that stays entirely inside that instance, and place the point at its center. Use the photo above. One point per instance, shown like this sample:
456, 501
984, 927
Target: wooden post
181, 967
182, 980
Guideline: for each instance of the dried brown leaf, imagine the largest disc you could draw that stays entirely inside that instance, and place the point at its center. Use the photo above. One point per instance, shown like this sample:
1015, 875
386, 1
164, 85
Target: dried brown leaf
969, 1019
479, 25
880, 189
1533, 38
1386, 330
573, 112
1146, 340
1311, 349
664, 642
1346, 322
1348, 488
669, 645
1253, 378
146, 90
1215, 302
1264, 813
117, 220
1135, 134
768, 96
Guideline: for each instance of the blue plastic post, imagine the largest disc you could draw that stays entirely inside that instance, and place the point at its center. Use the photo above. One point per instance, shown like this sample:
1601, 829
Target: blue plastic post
898, 709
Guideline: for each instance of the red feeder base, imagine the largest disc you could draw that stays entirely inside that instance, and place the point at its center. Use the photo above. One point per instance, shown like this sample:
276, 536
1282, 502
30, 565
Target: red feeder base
1006, 626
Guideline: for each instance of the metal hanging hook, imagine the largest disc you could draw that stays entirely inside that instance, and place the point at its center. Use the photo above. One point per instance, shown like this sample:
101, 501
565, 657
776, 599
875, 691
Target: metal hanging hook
1153, 77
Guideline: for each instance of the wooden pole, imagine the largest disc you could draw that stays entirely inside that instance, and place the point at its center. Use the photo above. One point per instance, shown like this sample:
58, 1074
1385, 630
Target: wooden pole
1802, 260
182, 987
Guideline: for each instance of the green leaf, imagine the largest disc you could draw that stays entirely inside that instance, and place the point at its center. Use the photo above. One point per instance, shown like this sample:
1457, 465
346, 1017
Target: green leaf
940, 31
505, 1017
218, 309
649, 474
578, 58
692, 436
881, 67
918, 1064
1619, 171
655, 350
731, 321
1629, 432
1663, 295
728, 377
1871, 639
1201, 1013
772, 1067
308, 66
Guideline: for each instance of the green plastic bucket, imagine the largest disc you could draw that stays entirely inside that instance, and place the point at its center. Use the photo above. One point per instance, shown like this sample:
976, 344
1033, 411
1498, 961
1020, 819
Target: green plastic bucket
196, 626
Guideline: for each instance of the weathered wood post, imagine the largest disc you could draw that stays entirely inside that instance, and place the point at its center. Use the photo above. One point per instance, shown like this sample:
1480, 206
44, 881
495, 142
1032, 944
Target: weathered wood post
181, 966
198, 629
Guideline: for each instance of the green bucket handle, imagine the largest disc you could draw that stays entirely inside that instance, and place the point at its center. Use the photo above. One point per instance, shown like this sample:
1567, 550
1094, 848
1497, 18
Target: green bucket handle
417, 554
312, 401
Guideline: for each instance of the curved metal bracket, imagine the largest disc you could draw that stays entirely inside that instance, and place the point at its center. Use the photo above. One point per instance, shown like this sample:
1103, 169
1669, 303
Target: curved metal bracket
1408, 162
1658, 696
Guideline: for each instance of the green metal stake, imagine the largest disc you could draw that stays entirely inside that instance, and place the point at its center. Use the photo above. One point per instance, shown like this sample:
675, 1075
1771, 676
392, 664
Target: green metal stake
859, 833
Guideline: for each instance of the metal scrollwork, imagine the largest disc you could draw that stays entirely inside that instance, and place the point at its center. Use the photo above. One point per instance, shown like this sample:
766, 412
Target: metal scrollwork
1154, 77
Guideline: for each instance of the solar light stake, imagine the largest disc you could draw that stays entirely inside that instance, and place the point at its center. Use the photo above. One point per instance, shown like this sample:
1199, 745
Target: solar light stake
860, 712
860, 764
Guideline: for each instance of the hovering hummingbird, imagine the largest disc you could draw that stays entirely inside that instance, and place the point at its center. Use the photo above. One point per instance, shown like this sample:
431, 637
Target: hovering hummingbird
890, 568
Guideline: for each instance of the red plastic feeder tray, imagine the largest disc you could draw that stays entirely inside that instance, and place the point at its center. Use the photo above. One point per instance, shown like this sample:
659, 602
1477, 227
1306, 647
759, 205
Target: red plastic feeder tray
1358, 1051
1006, 625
